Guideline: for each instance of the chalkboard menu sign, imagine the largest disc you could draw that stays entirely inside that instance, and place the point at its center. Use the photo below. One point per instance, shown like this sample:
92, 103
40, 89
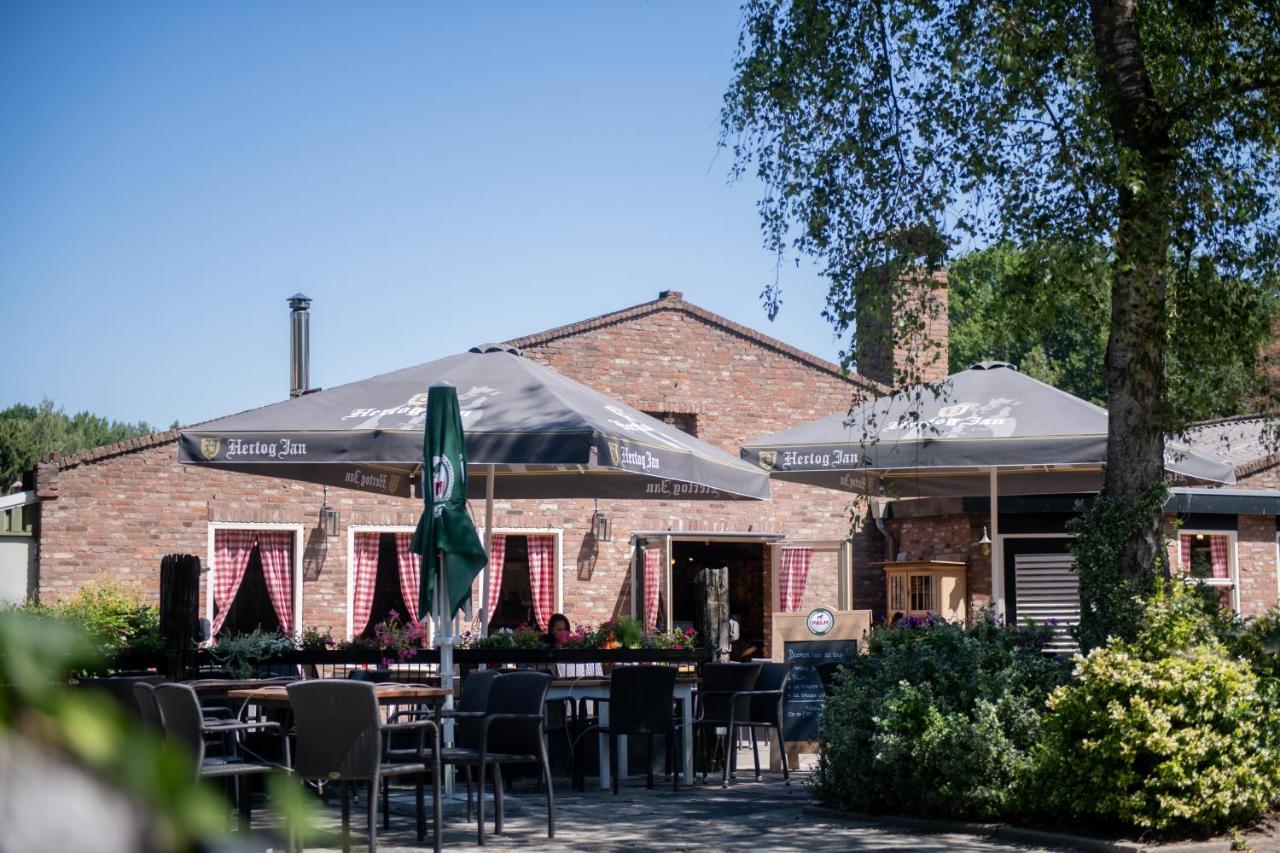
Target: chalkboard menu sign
804, 688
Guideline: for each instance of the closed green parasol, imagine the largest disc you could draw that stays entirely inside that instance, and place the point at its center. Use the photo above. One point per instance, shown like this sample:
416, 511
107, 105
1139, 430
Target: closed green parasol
445, 535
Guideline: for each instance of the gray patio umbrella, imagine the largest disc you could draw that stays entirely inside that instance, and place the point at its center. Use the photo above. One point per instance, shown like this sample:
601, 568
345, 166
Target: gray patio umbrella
988, 430
537, 433
984, 420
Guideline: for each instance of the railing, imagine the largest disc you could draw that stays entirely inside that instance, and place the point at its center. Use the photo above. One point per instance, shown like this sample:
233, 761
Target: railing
425, 664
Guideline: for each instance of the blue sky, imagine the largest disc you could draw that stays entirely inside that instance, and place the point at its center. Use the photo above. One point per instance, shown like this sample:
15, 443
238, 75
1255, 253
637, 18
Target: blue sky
432, 175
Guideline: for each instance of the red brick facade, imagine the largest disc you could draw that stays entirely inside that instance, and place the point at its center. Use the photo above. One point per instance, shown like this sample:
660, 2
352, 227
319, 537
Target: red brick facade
118, 511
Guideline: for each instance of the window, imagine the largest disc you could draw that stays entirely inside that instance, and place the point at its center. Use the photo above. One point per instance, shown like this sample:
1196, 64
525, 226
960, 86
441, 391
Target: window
922, 597
1209, 558
897, 593
254, 579
683, 421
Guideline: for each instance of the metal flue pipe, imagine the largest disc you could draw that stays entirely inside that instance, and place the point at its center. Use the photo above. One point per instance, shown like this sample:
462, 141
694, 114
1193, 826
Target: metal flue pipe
299, 345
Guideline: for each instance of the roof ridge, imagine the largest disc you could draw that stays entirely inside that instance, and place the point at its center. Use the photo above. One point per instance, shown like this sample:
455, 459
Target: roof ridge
119, 448
673, 300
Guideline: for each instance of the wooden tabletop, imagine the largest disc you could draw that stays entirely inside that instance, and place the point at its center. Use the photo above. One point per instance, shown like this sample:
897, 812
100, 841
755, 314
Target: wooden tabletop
388, 694
222, 685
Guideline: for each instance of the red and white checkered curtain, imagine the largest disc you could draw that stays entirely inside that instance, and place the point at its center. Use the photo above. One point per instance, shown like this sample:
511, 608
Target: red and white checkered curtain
1218, 556
231, 550
364, 567
275, 548
652, 586
542, 577
497, 556
410, 564
793, 577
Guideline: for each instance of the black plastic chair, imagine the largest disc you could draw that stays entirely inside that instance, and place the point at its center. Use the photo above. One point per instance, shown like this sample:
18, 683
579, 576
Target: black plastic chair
641, 701
467, 714
183, 721
511, 732
724, 699
766, 710
119, 689
341, 737
144, 694
371, 675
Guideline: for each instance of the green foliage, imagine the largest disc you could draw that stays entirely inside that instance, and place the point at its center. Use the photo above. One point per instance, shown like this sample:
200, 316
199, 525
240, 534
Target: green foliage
1257, 642
1045, 308
40, 711
523, 637
315, 640
936, 719
114, 616
28, 432
1110, 601
241, 653
1166, 732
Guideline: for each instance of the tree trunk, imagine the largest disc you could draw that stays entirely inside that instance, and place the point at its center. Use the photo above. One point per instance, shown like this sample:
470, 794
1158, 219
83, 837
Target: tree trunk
713, 614
1135, 368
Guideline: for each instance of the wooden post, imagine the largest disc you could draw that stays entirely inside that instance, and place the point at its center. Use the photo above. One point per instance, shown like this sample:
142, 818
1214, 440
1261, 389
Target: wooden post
180, 611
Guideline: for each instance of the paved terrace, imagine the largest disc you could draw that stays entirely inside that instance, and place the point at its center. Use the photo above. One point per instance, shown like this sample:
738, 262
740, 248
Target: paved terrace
748, 815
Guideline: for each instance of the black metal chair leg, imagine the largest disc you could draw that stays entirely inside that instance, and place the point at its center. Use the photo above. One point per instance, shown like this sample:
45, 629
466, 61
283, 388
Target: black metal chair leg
782, 754
373, 816
551, 797
730, 753
345, 788
648, 761
420, 806
613, 761
466, 774
497, 799
480, 806
755, 752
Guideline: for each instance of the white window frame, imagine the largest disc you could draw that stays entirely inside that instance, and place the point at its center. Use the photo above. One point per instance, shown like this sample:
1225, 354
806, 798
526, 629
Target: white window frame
352, 530
298, 544
1233, 563
557, 532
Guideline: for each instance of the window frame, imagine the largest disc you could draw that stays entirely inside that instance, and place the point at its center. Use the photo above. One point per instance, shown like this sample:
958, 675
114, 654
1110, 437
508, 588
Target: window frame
299, 541
352, 530
1232, 580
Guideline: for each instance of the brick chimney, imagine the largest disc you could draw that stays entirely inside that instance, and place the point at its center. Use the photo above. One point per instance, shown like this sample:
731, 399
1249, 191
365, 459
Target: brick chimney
893, 345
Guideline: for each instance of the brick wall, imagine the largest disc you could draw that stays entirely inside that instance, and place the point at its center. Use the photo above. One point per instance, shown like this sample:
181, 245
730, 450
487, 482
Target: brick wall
1256, 557
910, 341
120, 514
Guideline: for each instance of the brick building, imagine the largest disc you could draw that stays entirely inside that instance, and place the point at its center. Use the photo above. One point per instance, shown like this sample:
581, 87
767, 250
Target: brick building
117, 510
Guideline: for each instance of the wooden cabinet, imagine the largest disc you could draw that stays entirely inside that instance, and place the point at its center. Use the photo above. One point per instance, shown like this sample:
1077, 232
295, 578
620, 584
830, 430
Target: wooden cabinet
926, 586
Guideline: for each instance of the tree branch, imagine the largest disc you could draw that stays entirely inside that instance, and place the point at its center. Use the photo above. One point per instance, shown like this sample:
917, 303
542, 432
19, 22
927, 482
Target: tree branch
893, 93
1188, 108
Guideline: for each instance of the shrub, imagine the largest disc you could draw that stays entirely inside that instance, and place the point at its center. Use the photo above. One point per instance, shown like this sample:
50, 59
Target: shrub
113, 615
241, 653
1164, 732
936, 719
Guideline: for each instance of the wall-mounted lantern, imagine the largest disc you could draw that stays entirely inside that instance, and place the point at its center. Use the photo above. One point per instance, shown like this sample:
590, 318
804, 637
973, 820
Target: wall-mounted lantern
328, 516
601, 526
985, 543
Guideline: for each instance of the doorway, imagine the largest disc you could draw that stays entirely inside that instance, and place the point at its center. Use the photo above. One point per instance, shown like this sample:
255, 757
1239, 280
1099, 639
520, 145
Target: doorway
748, 596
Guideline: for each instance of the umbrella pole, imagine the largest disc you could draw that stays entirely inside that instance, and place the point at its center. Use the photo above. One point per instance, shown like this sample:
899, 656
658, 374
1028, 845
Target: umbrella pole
488, 549
997, 547
444, 641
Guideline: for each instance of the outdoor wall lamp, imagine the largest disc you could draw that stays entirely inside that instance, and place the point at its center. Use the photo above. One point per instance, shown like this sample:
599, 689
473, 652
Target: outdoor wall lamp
601, 526
985, 543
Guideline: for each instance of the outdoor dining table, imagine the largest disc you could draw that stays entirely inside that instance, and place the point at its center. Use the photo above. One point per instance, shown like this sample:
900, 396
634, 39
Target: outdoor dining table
596, 688
277, 695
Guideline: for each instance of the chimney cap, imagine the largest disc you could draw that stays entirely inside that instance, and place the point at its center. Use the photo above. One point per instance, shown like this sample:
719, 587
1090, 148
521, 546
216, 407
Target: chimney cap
299, 301
670, 294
